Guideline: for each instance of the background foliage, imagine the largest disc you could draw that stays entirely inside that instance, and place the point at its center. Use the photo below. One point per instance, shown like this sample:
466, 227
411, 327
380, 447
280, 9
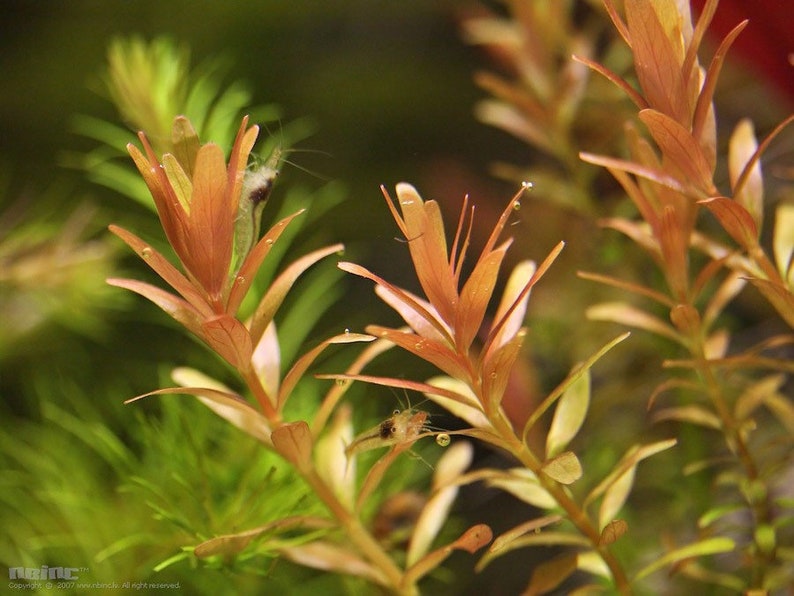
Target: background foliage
386, 90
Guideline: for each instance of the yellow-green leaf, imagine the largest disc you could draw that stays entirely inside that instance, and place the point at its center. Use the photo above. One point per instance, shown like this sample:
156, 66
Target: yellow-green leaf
702, 548
565, 468
569, 415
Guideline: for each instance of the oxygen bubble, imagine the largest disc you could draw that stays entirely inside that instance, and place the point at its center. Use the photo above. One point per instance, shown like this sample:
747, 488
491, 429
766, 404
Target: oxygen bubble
443, 439
516, 205
146, 252
347, 331
269, 242
240, 279
527, 185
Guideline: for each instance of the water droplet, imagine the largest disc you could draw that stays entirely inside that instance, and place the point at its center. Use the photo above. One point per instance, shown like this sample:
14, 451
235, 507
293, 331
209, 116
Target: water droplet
146, 252
443, 439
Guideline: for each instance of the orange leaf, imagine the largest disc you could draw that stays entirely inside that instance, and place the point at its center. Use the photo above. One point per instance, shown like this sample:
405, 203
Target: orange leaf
735, 220
230, 339
293, 441
680, 148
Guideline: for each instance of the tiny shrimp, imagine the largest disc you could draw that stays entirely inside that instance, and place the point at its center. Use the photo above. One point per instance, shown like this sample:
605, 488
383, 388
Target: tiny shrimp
403, 426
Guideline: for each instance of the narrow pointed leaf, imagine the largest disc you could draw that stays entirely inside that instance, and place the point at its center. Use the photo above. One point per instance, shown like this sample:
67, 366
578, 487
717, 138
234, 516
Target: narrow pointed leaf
702, 548
471, 541
229, 406
734, 219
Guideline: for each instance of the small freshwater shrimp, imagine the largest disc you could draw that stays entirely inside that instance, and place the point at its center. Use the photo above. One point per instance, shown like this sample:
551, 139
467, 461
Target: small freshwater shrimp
401, 427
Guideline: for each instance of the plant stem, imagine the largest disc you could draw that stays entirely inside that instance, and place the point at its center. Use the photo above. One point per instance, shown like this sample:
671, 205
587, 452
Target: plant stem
574, 512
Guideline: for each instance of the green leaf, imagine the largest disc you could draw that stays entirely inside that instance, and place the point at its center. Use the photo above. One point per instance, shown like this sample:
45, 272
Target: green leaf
702, 548
569, 415
615, 497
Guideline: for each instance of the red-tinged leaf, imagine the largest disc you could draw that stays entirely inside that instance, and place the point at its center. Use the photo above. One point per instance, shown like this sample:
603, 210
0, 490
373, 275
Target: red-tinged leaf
238, 161
657, 175
293, 441
735, 219
402, 302
564, 468
231, 544
703, 106
437, 353
618, 22
334, 558
680, 148
211, 221
229, 406
691, 414
612, 532
406, 297
496, 371
702, 548
230, 339
569, 415
471, 541
248, 270
428, 247
495, 335
164, 269
179, 309
529, 527
674, 242
656, 61
278, 290
635, 97
628, 286
549, 575
475, 297
778, 296
686, 319
626, 314
303, 363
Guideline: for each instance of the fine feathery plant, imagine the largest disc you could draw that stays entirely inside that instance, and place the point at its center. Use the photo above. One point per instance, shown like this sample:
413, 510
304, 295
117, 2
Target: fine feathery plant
233, 284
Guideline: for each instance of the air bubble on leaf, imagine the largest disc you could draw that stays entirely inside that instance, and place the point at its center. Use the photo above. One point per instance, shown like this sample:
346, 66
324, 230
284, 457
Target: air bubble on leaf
240, 279
526, 185
347, 331
516, 205
269, 241
146, 252
443, 439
